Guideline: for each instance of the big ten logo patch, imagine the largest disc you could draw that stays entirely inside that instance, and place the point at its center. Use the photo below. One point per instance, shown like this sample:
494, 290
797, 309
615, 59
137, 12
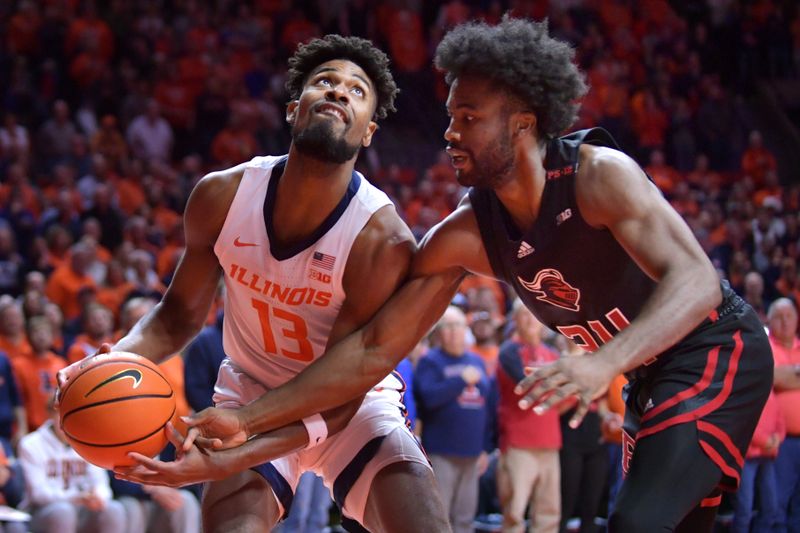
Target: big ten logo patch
319, 276
628, 445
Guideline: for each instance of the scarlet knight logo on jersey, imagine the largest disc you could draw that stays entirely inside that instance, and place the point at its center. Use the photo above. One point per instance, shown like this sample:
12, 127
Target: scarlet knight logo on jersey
550, 287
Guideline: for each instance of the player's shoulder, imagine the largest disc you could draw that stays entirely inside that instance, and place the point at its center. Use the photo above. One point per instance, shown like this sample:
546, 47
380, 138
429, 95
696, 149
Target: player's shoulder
609, 182
210, 201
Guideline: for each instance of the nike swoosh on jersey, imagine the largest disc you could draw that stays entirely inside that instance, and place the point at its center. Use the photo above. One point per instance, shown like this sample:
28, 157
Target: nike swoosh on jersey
237, 242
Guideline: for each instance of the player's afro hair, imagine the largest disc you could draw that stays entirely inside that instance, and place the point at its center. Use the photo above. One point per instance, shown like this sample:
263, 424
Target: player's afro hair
521, 56
360, 51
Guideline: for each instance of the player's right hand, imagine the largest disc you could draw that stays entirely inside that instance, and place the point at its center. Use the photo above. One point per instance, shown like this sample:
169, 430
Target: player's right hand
65, 374
215, 428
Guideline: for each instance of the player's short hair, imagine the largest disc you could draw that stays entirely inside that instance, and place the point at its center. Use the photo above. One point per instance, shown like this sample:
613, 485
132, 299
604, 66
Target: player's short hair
360, 51
521, 56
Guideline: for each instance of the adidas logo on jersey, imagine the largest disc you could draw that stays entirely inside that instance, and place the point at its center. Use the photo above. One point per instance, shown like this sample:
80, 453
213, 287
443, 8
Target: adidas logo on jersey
525, 250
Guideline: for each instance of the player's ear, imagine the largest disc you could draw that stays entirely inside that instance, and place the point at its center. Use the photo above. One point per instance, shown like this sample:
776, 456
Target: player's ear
524, 122
291, 111
372, 127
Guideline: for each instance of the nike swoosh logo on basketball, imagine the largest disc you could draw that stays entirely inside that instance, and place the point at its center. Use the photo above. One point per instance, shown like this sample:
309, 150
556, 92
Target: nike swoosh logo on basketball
131, 373
238, 243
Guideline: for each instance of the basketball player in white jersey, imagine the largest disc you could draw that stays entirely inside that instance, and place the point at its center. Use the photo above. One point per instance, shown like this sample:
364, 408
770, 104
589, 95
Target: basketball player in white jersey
309, 251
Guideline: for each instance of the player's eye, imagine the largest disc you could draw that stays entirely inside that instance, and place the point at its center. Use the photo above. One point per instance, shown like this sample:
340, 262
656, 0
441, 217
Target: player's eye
358, 91
325, 81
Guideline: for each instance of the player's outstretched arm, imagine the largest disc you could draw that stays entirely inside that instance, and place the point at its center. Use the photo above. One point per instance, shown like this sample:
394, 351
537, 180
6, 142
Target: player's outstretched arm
614, 193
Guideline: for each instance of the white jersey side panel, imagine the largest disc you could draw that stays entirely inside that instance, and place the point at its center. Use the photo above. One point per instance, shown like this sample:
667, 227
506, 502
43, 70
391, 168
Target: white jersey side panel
279, 313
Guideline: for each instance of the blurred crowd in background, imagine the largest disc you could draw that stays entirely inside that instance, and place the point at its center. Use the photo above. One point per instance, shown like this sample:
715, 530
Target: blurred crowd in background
110, 112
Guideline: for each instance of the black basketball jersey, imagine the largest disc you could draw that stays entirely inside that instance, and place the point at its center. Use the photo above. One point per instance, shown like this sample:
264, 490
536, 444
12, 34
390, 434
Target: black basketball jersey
576, 279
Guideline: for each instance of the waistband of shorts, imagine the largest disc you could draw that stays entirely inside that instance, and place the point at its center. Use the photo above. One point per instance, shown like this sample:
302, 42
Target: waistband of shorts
731, 303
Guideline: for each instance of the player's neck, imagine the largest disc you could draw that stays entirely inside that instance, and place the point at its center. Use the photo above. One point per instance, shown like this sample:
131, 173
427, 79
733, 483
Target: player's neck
308, 192
521, 194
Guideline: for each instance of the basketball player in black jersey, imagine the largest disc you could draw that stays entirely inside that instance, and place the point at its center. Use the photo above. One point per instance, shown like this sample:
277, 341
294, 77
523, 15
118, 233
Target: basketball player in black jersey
595, 251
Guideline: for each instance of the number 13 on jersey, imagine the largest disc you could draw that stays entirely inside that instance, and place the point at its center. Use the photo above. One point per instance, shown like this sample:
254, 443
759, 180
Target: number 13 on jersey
296, 331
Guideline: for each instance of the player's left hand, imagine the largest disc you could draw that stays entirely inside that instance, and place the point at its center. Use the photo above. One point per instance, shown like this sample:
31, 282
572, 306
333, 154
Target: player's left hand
584, 377
193, 466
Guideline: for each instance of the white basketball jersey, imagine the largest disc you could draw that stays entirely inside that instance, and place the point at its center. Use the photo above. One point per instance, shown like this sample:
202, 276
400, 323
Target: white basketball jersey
280, 304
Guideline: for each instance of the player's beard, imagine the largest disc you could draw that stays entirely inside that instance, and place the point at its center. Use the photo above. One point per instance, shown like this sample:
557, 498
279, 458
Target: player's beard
319, 141
491, 168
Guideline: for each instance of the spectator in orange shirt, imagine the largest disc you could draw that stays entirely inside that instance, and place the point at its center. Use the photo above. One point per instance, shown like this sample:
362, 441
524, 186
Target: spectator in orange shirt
170, 254
234, 143
90, 29
161, 215
757, 160
36, 375
13, 340
98, 326
115, 288
68, 279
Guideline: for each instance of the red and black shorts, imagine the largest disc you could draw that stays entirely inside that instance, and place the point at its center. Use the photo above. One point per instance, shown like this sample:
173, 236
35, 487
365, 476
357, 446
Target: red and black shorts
717, 378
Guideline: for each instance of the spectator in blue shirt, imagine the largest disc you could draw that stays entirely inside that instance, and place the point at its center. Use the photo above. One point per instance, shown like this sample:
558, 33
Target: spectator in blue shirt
452, 389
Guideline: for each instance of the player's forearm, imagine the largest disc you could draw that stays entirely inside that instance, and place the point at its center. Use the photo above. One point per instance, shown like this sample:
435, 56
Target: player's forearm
344, 373
681, 300
159, 334
358, 362
260, 449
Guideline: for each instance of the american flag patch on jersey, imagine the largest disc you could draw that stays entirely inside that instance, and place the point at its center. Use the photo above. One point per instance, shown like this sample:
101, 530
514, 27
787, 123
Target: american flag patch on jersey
323, 261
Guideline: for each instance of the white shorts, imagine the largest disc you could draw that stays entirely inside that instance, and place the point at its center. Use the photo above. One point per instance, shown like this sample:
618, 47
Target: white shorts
381, 417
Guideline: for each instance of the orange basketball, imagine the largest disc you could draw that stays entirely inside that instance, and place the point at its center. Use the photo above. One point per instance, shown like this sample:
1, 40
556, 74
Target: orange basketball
117, 403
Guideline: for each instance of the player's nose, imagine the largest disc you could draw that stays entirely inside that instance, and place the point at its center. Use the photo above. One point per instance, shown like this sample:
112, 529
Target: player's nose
451, 135
338, 93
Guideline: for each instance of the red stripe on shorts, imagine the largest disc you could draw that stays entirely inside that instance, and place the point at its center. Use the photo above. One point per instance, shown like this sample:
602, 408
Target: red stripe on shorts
723, 438
727, 469
710, 406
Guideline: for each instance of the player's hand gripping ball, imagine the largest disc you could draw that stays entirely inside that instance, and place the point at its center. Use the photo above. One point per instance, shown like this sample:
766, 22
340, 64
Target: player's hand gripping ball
116, 403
